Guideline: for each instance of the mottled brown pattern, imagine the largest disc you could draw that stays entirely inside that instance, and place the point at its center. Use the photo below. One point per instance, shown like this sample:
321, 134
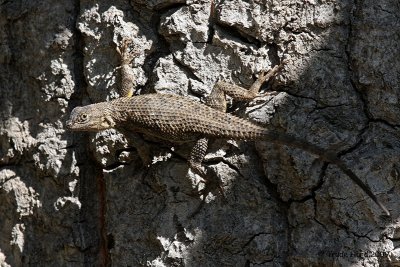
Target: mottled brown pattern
178, 119
127, 80
161, 114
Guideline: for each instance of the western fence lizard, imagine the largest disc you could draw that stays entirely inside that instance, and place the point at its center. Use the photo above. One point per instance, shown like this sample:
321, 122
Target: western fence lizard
178, 119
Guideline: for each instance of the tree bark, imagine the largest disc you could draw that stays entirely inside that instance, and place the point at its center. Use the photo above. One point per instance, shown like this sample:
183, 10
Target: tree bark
87, 199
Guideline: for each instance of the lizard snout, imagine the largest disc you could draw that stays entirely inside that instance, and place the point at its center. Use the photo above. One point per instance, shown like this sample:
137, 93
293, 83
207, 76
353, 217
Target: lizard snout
69, 124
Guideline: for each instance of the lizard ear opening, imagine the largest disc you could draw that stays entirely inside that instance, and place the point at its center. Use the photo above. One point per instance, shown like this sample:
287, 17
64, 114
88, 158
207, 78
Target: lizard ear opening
109, 122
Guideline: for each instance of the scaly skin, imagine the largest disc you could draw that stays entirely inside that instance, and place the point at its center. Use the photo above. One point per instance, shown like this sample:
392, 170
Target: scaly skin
175, 118
178, 119
168, 117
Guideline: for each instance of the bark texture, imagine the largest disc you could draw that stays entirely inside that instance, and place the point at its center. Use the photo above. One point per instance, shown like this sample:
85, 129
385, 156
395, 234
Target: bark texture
85, 199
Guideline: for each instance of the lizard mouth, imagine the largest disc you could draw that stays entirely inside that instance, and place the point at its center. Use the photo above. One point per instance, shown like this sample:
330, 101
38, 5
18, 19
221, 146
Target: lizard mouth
69, 125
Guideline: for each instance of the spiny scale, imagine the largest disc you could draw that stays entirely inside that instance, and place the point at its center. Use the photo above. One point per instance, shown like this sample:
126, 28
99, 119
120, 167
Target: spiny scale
175, 117
178, 115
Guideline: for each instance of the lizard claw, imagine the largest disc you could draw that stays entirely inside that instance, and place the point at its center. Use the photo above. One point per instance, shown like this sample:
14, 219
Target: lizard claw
124, 45
127, 55
271, 93
209, 186
210, 183
266, 75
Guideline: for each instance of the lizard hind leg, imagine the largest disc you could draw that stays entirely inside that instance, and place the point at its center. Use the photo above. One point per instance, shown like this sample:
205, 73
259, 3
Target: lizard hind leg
217, 97
197, 155
217, 100
195, 163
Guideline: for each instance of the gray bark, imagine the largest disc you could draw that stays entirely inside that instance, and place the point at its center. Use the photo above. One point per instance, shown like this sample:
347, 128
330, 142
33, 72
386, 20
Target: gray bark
85, 199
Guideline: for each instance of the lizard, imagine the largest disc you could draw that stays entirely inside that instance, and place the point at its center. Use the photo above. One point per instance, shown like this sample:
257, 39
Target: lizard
178, 119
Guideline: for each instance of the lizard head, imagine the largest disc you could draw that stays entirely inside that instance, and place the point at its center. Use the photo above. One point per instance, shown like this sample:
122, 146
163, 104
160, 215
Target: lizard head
93, 117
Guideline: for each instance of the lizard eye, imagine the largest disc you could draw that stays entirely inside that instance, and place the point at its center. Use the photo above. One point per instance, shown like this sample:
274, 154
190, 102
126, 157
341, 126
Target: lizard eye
83, 117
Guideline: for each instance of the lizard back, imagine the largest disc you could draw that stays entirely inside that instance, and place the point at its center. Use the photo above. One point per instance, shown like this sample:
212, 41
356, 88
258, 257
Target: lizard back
173, 116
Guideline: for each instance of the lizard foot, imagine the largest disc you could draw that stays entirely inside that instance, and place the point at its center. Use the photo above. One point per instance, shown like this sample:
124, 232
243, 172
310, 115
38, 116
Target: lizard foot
266, 75
127, 54
211, 182
209, 186
271, 93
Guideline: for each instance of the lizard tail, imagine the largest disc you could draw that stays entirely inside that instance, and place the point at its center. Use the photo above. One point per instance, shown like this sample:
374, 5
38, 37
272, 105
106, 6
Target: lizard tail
285, 139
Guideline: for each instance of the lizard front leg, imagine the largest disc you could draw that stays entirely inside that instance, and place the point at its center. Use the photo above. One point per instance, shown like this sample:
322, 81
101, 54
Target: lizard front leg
127, 79
126, 90
136, 141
